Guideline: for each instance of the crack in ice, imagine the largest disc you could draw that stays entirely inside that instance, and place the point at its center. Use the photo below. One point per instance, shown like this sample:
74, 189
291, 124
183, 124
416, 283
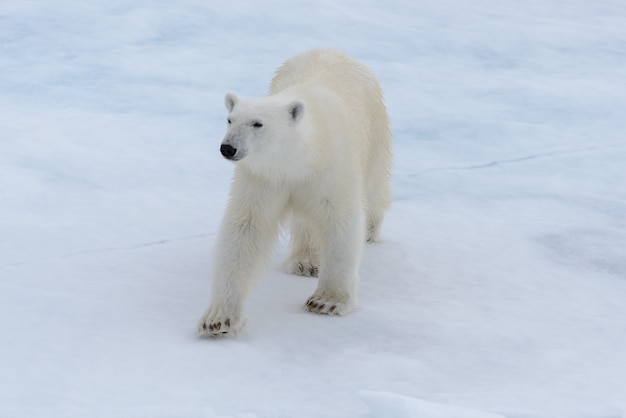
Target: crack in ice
496, 163
107, 249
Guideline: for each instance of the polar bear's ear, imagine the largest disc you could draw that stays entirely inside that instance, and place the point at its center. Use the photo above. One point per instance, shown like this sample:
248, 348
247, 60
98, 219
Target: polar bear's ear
296, 110
230, 101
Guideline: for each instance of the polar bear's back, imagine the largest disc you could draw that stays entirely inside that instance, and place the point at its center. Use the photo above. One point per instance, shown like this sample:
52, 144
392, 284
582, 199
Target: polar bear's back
326, 66
356, 86
342, 74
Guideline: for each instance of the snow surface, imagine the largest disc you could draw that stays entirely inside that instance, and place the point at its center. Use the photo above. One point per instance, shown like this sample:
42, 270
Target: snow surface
383, 405
501, 282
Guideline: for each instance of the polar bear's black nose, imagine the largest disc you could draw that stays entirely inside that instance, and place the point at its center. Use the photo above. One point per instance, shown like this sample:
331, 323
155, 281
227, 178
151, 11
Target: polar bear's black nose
228, 151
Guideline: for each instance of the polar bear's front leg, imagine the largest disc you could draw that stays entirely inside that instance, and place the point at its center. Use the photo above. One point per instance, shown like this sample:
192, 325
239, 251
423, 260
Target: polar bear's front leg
242, 253
338, 276
244, 247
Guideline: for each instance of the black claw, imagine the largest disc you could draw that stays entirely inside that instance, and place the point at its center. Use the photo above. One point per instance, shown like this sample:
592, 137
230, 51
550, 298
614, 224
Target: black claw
227, 322
204, 326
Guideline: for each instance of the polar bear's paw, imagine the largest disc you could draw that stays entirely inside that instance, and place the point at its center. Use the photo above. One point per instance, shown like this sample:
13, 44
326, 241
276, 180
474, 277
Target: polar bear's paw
303, 267
218, 324
329, 306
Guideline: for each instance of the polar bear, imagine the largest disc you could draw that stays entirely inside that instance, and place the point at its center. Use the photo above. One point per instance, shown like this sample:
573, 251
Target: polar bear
314, 154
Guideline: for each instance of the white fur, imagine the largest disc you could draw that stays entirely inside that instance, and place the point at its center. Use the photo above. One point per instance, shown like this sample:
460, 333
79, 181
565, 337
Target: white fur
316, 152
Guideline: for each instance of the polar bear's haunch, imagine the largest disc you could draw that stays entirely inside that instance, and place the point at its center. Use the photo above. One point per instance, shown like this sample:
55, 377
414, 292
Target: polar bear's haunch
315, 153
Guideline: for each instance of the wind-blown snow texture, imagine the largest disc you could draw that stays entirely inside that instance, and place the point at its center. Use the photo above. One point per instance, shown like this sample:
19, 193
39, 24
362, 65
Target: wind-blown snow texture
501, 282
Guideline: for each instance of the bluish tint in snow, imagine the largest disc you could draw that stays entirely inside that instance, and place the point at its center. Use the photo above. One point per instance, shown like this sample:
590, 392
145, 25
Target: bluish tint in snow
501, 282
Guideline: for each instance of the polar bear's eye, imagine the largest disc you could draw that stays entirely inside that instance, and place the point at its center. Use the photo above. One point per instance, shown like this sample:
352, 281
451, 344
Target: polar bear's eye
229, 121
257, 124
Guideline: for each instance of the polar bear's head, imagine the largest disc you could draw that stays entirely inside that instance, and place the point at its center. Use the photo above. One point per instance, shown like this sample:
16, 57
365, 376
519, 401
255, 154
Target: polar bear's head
261, 129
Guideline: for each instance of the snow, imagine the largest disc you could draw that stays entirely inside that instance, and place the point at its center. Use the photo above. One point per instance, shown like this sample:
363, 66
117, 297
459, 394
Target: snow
500, 286
385, 404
